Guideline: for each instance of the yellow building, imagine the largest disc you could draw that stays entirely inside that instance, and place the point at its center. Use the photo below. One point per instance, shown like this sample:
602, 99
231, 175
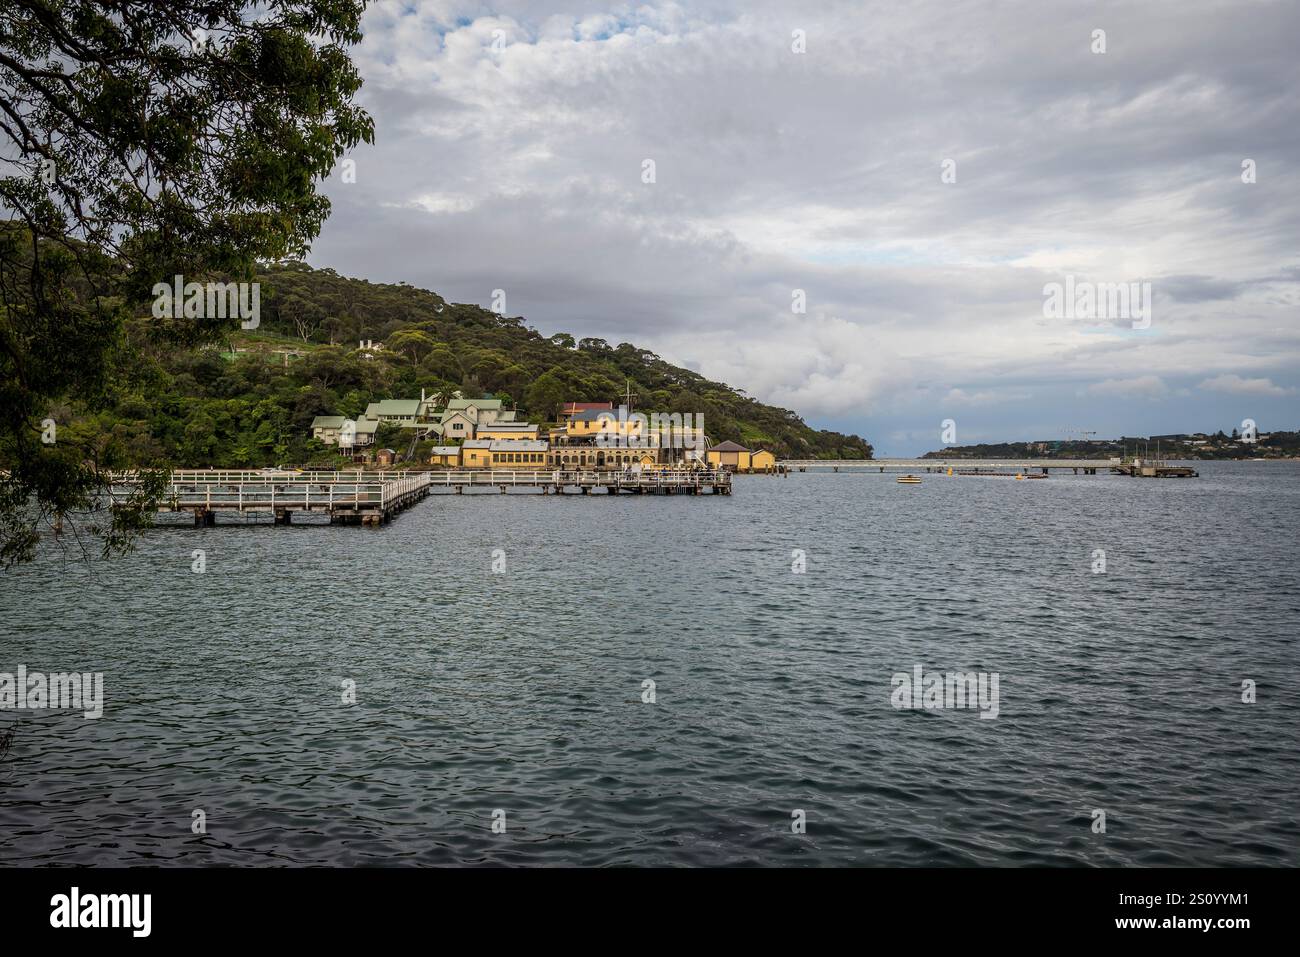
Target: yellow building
762, 461
519, 455
730, 456
445, 455
599, 458
593, 422
476, 454
508, 432
511, 454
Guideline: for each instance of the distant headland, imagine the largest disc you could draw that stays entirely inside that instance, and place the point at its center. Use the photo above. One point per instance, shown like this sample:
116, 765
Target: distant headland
1206, 446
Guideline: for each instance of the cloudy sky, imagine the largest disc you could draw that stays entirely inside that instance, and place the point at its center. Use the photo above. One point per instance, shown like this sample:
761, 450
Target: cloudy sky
512, 141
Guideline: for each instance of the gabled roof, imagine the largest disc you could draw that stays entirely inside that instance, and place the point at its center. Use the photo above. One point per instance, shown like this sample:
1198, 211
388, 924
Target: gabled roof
394, 407
569, 408
508, 427
445, 450
593, 415
367, 426
728, 447
476, 403
328, 422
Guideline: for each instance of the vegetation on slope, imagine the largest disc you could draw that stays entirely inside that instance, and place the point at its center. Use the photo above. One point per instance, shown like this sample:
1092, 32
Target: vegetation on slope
250, 401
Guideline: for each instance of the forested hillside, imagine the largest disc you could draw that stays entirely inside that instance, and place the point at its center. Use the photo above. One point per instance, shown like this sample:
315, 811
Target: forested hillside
250, 399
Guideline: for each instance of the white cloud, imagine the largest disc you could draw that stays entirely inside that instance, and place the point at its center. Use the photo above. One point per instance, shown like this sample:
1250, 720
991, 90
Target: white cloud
1236, 385
443, 203
1138, 387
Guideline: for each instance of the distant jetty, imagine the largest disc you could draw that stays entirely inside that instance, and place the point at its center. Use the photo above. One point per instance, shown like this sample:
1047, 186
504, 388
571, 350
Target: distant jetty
1153, 468
1006, 467
965, 465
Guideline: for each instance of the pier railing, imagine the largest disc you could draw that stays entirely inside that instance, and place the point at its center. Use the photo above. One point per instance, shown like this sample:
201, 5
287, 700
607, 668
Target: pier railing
248, 491
912, 465
646, 479
205, 490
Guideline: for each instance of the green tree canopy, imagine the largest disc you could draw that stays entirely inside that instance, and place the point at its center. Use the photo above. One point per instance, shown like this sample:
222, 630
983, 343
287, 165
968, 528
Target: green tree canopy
142, 142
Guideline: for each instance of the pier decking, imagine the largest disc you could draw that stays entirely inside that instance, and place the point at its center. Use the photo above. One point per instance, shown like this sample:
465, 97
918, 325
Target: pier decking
968, 466
1154, 470
371, 497
667, 482
1139, 468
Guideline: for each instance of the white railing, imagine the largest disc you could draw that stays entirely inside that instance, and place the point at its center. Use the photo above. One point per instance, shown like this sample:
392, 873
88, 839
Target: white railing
910, 464
246, 489
558, 477
394, 491
204, 477
287, 490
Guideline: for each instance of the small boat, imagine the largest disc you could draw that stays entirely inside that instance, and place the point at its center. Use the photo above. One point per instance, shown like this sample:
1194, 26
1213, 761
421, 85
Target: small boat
908, 480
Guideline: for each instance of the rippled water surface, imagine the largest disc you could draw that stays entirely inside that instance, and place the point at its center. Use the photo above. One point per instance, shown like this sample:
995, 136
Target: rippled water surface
522, 691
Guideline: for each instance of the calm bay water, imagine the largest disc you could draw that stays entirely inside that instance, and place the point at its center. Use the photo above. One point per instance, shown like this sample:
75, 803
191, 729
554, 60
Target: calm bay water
523, 691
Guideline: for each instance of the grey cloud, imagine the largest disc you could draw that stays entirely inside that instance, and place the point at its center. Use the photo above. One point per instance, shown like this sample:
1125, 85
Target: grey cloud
521, 170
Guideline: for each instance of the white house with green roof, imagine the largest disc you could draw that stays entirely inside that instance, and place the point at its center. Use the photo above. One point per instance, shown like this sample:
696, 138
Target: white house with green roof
398, 411
481, 411
326, 428
344, 432
365, 431
456, 424
462, 418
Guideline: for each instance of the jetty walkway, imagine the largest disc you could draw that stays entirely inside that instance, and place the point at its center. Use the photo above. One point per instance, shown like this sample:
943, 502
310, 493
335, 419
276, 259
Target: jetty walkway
968, 466
374, 497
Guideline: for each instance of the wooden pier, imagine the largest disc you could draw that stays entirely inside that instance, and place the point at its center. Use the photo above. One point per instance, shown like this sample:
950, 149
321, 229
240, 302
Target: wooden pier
1138, 468
1149, 469
559, 481
372, 497
1043, 466
995, 473
353, 497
